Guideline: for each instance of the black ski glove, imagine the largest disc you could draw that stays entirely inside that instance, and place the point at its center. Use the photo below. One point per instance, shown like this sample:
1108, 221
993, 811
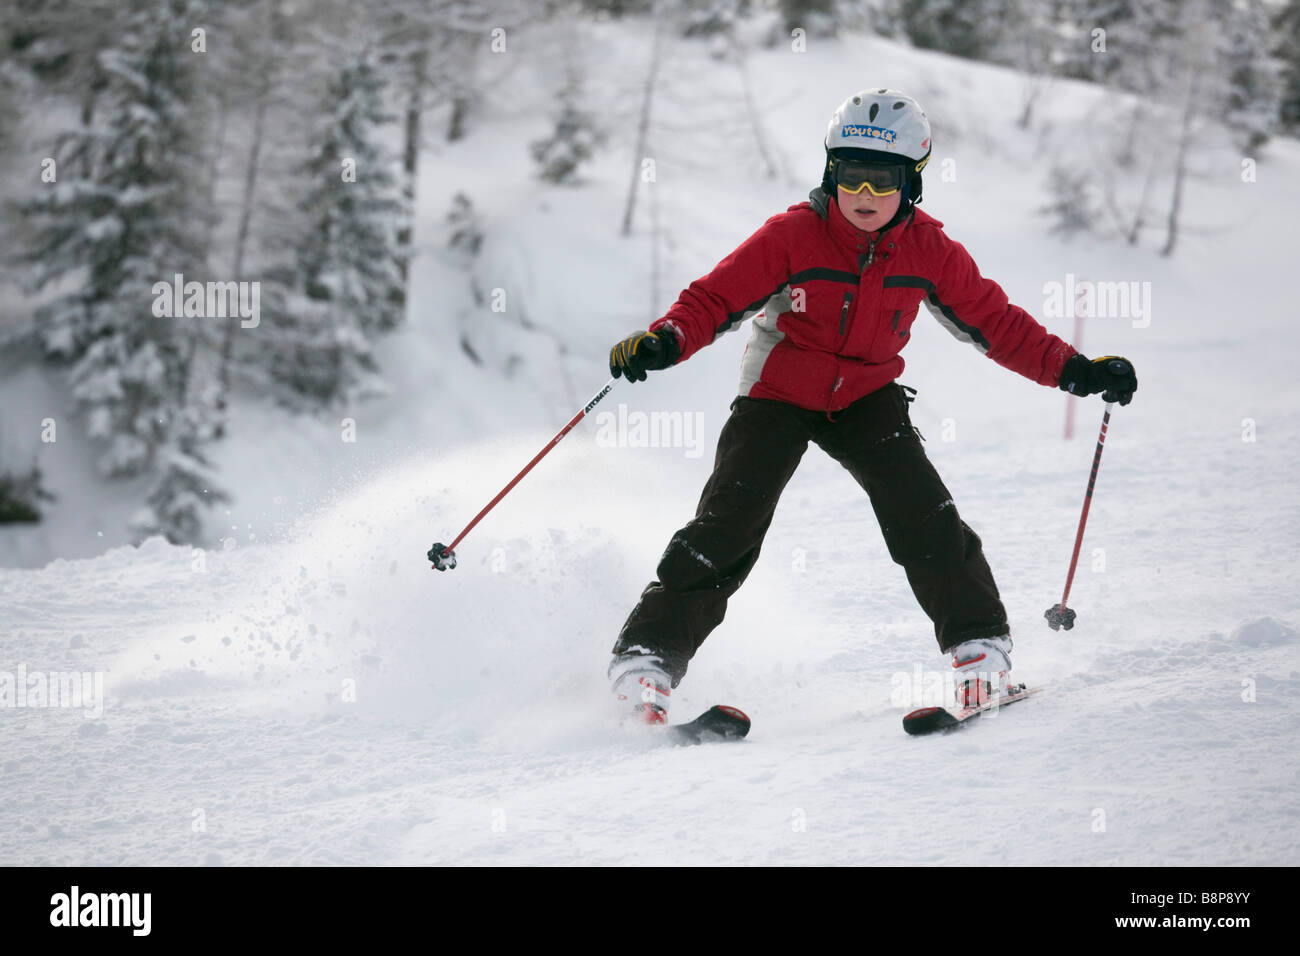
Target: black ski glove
1111, 374
643, 352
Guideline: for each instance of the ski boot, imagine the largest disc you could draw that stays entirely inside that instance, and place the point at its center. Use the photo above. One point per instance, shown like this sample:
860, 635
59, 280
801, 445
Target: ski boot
983, 670
641, 686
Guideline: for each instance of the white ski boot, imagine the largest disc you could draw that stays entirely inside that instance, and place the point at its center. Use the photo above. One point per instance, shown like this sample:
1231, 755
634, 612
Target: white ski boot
983, 670
641, 686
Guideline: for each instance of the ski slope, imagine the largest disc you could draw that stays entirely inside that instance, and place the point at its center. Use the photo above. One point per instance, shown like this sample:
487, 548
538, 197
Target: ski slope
478, 735
320, 696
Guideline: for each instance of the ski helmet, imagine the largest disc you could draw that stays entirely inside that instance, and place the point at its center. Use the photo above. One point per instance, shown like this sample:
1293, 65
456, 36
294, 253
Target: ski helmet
883, 126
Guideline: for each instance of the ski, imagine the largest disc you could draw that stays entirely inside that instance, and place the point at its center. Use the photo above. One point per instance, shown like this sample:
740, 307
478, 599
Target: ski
929, 720
719, 722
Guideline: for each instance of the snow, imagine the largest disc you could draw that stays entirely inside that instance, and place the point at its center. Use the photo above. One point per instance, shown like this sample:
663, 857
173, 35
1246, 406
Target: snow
312, 692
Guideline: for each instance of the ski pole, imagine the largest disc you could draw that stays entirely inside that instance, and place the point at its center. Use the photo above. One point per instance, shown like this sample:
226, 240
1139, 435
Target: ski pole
1058, 615
444, 557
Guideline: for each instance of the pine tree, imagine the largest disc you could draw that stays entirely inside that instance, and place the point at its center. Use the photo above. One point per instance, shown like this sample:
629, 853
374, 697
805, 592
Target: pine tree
574, 139
1286, 30
966, 28
1184, 78
346, 286
129, 220
10, 87
1096, 35
1034, 48
185, 487
817, 18
1254, 76
21, 495
709, 18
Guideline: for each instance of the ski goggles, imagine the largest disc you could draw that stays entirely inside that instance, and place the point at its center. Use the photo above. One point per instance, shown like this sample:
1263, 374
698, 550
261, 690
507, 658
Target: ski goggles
879, 180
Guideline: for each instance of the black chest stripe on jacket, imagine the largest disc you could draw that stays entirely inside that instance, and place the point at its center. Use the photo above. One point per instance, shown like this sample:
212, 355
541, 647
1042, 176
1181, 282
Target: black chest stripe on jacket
830, 275
909, 282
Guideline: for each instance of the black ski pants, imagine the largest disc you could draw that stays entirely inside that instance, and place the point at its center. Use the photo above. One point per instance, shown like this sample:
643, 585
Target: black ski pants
761, 444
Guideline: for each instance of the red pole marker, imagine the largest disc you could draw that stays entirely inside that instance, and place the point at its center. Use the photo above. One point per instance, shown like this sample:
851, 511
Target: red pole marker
1058, 615
444, 557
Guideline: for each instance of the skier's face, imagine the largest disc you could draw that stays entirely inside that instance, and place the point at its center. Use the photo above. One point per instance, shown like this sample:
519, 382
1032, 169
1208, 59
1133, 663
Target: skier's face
866, 211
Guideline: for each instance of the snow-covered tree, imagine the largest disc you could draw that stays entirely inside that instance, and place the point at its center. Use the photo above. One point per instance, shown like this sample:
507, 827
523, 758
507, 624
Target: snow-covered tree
574, 139
817, 18
1254, 76
255, 68
1185, 78
1286, 32
58, 42
185, 487
10, 85
1095, 37
708, 18
967, 28
464, 243
124, 214
347, 284
1072, 209
21, 495
618, 8
1030, 42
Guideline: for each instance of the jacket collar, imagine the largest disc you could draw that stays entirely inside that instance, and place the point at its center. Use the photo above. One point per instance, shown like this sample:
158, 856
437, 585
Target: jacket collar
845, 232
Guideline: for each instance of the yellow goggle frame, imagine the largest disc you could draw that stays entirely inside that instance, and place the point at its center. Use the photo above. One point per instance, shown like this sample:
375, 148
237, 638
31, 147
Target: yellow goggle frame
865, 184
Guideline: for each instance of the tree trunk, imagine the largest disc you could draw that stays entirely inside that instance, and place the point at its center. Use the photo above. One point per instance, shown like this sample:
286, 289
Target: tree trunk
1140, 213
459, 110
643, 124
241, 233
751, 110
411, 161
1180, 163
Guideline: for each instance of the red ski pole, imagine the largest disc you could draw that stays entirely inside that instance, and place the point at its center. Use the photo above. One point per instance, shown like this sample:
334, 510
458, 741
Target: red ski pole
1058, 615
444, 557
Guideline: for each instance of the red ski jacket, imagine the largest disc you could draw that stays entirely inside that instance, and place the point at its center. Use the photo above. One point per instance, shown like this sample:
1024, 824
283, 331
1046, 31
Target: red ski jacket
834, 306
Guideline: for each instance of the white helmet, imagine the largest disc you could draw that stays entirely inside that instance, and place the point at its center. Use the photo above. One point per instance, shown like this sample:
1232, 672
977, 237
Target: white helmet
883, 121
881, 125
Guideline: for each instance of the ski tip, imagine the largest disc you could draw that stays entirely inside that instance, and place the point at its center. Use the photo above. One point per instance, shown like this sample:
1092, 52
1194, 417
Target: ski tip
927, 720
726, 721
718, 722
733, 712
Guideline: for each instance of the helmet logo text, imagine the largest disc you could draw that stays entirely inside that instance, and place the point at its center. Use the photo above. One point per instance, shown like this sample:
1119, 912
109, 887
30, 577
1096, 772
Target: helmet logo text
870, 132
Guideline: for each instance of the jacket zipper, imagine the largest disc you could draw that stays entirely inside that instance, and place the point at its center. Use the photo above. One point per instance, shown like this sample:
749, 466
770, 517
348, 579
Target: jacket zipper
844, 314
871, 257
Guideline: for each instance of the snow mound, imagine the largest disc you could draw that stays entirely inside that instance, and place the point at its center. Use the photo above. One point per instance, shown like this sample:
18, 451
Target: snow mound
1264, 632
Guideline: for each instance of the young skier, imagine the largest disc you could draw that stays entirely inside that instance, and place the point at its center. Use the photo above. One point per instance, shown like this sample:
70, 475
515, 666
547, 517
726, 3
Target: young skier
834, 285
